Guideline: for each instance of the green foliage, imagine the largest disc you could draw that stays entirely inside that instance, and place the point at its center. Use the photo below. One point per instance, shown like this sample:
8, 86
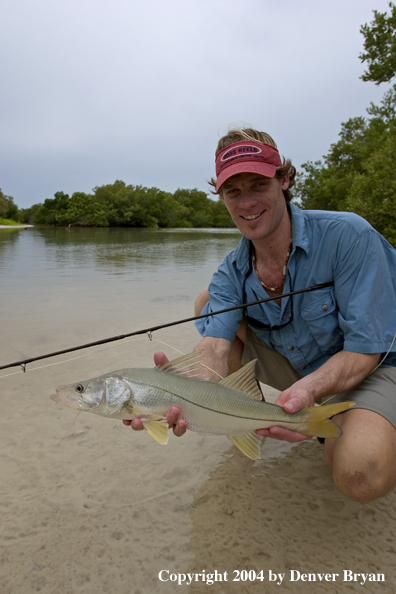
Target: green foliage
132, 206
52, 209
8, 210
8, 222
26, 215
380, 46
357, 174
373, 192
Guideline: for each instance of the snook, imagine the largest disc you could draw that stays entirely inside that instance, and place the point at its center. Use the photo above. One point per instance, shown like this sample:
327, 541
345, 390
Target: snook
232, 407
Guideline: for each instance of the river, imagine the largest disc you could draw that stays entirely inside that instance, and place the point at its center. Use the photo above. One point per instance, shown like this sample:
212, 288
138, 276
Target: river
89, 506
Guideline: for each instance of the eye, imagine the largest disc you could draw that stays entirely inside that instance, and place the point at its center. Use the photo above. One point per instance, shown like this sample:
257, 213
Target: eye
229, 191
79, 388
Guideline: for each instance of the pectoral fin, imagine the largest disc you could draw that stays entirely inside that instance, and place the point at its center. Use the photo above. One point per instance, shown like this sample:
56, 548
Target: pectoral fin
157, 428
249, 444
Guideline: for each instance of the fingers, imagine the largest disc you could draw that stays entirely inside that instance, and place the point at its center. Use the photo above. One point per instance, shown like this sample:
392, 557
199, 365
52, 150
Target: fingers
179, 425
135, 424
282, 434
294, 405
180, 428
172, 416
160, 359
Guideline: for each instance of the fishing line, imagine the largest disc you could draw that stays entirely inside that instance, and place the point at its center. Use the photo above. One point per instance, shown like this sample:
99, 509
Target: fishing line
383, 359
149, 331
80, 357
106, 349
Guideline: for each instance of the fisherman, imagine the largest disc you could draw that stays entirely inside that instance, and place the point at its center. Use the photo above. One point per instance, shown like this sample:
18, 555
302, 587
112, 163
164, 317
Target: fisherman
312, 345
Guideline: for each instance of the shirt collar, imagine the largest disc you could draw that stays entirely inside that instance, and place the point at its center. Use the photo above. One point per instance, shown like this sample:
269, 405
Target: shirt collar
300, 239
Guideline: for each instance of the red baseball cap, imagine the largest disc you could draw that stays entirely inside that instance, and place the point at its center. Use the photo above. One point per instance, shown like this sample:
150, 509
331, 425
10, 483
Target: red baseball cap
246, 156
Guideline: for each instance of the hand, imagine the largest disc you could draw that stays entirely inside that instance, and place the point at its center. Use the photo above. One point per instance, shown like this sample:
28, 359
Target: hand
293, 399
172, 416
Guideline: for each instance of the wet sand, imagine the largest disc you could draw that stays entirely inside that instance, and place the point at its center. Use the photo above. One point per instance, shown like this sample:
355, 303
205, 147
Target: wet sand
88, 506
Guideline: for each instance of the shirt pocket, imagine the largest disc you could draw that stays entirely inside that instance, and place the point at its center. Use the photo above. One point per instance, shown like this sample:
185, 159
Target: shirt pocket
320, 313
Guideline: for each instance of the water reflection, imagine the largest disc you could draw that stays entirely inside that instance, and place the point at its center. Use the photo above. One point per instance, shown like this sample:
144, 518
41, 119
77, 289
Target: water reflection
89, 282
122, 249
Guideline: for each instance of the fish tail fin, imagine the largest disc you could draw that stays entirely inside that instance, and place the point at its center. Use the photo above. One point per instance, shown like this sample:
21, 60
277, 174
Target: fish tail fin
318, 422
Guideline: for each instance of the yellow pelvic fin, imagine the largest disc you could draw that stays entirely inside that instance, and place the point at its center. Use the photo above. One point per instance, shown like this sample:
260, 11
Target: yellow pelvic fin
249, 444
318, 419
245, 381
157, 428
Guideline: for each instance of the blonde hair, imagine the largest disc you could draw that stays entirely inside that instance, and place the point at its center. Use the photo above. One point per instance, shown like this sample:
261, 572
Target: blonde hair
239, 134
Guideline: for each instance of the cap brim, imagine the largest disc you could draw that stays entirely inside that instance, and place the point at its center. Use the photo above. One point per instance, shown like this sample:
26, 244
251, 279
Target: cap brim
265, 169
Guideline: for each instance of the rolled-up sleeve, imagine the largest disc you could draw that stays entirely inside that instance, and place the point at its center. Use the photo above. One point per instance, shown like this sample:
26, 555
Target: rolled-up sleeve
225, 291
366, 295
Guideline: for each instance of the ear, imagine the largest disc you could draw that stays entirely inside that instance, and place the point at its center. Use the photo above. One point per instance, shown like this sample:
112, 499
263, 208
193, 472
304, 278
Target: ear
285, 182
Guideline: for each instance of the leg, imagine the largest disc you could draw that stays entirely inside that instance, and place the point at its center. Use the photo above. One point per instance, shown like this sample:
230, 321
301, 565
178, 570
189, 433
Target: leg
234, 361
363, 458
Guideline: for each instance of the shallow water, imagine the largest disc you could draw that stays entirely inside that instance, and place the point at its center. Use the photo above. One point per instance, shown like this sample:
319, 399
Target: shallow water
87, 505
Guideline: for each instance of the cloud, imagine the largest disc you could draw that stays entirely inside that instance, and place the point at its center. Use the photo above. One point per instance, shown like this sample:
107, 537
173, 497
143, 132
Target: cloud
94, 91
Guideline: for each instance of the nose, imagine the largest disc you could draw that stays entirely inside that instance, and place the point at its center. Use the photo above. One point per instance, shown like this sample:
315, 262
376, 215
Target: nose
246, 199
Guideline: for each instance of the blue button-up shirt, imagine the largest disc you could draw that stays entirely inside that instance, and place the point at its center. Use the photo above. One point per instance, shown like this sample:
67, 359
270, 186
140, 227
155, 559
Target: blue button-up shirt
357, 314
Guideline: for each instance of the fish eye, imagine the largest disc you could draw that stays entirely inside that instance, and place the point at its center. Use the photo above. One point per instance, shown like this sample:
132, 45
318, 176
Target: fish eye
79, 388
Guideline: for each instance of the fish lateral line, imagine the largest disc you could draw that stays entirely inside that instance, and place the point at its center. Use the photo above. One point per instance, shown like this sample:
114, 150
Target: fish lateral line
220, 412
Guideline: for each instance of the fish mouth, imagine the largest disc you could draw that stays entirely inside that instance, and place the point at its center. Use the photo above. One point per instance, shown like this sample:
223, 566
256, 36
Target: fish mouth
55, 397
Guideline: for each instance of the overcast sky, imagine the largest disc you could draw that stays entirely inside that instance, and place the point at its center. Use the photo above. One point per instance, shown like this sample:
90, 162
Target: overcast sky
98, 90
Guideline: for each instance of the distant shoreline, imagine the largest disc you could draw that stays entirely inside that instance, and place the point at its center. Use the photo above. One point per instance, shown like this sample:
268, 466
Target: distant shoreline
14, 226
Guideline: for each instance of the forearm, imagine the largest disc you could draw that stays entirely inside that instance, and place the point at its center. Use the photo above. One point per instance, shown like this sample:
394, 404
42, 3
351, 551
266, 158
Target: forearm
216, 355
342, 372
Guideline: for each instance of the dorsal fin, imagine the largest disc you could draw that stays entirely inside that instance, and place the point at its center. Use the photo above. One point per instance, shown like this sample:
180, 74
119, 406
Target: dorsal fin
186, 365
245, 381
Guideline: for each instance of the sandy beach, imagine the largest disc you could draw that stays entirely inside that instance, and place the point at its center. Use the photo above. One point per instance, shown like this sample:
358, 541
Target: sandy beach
88, 506
14, 226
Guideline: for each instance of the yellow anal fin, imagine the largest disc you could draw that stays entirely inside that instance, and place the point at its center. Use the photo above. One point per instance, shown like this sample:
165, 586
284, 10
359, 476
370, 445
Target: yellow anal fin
157, 428
319, 423
249, 444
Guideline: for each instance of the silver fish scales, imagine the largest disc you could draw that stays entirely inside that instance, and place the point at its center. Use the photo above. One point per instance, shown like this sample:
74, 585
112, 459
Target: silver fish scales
231, 407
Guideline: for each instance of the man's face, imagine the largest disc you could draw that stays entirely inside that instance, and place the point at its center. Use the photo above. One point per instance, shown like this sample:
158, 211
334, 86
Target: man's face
256, 203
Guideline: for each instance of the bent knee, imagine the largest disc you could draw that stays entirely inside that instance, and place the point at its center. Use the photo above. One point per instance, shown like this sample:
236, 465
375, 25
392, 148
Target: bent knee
363, 484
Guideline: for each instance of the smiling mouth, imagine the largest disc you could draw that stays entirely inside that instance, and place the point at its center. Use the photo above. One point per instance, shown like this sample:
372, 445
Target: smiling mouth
252, 217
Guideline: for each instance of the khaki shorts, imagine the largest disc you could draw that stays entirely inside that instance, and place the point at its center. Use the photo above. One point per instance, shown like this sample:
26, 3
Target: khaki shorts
377, 392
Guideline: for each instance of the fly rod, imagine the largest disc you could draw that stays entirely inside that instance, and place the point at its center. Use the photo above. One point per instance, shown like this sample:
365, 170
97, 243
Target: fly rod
148, 331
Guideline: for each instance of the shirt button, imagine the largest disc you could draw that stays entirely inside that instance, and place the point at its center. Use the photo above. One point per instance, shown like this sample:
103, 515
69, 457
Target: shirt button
291, 348
325, 307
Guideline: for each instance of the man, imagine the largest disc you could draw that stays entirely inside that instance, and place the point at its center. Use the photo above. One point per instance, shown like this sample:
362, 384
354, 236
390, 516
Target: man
315, 344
